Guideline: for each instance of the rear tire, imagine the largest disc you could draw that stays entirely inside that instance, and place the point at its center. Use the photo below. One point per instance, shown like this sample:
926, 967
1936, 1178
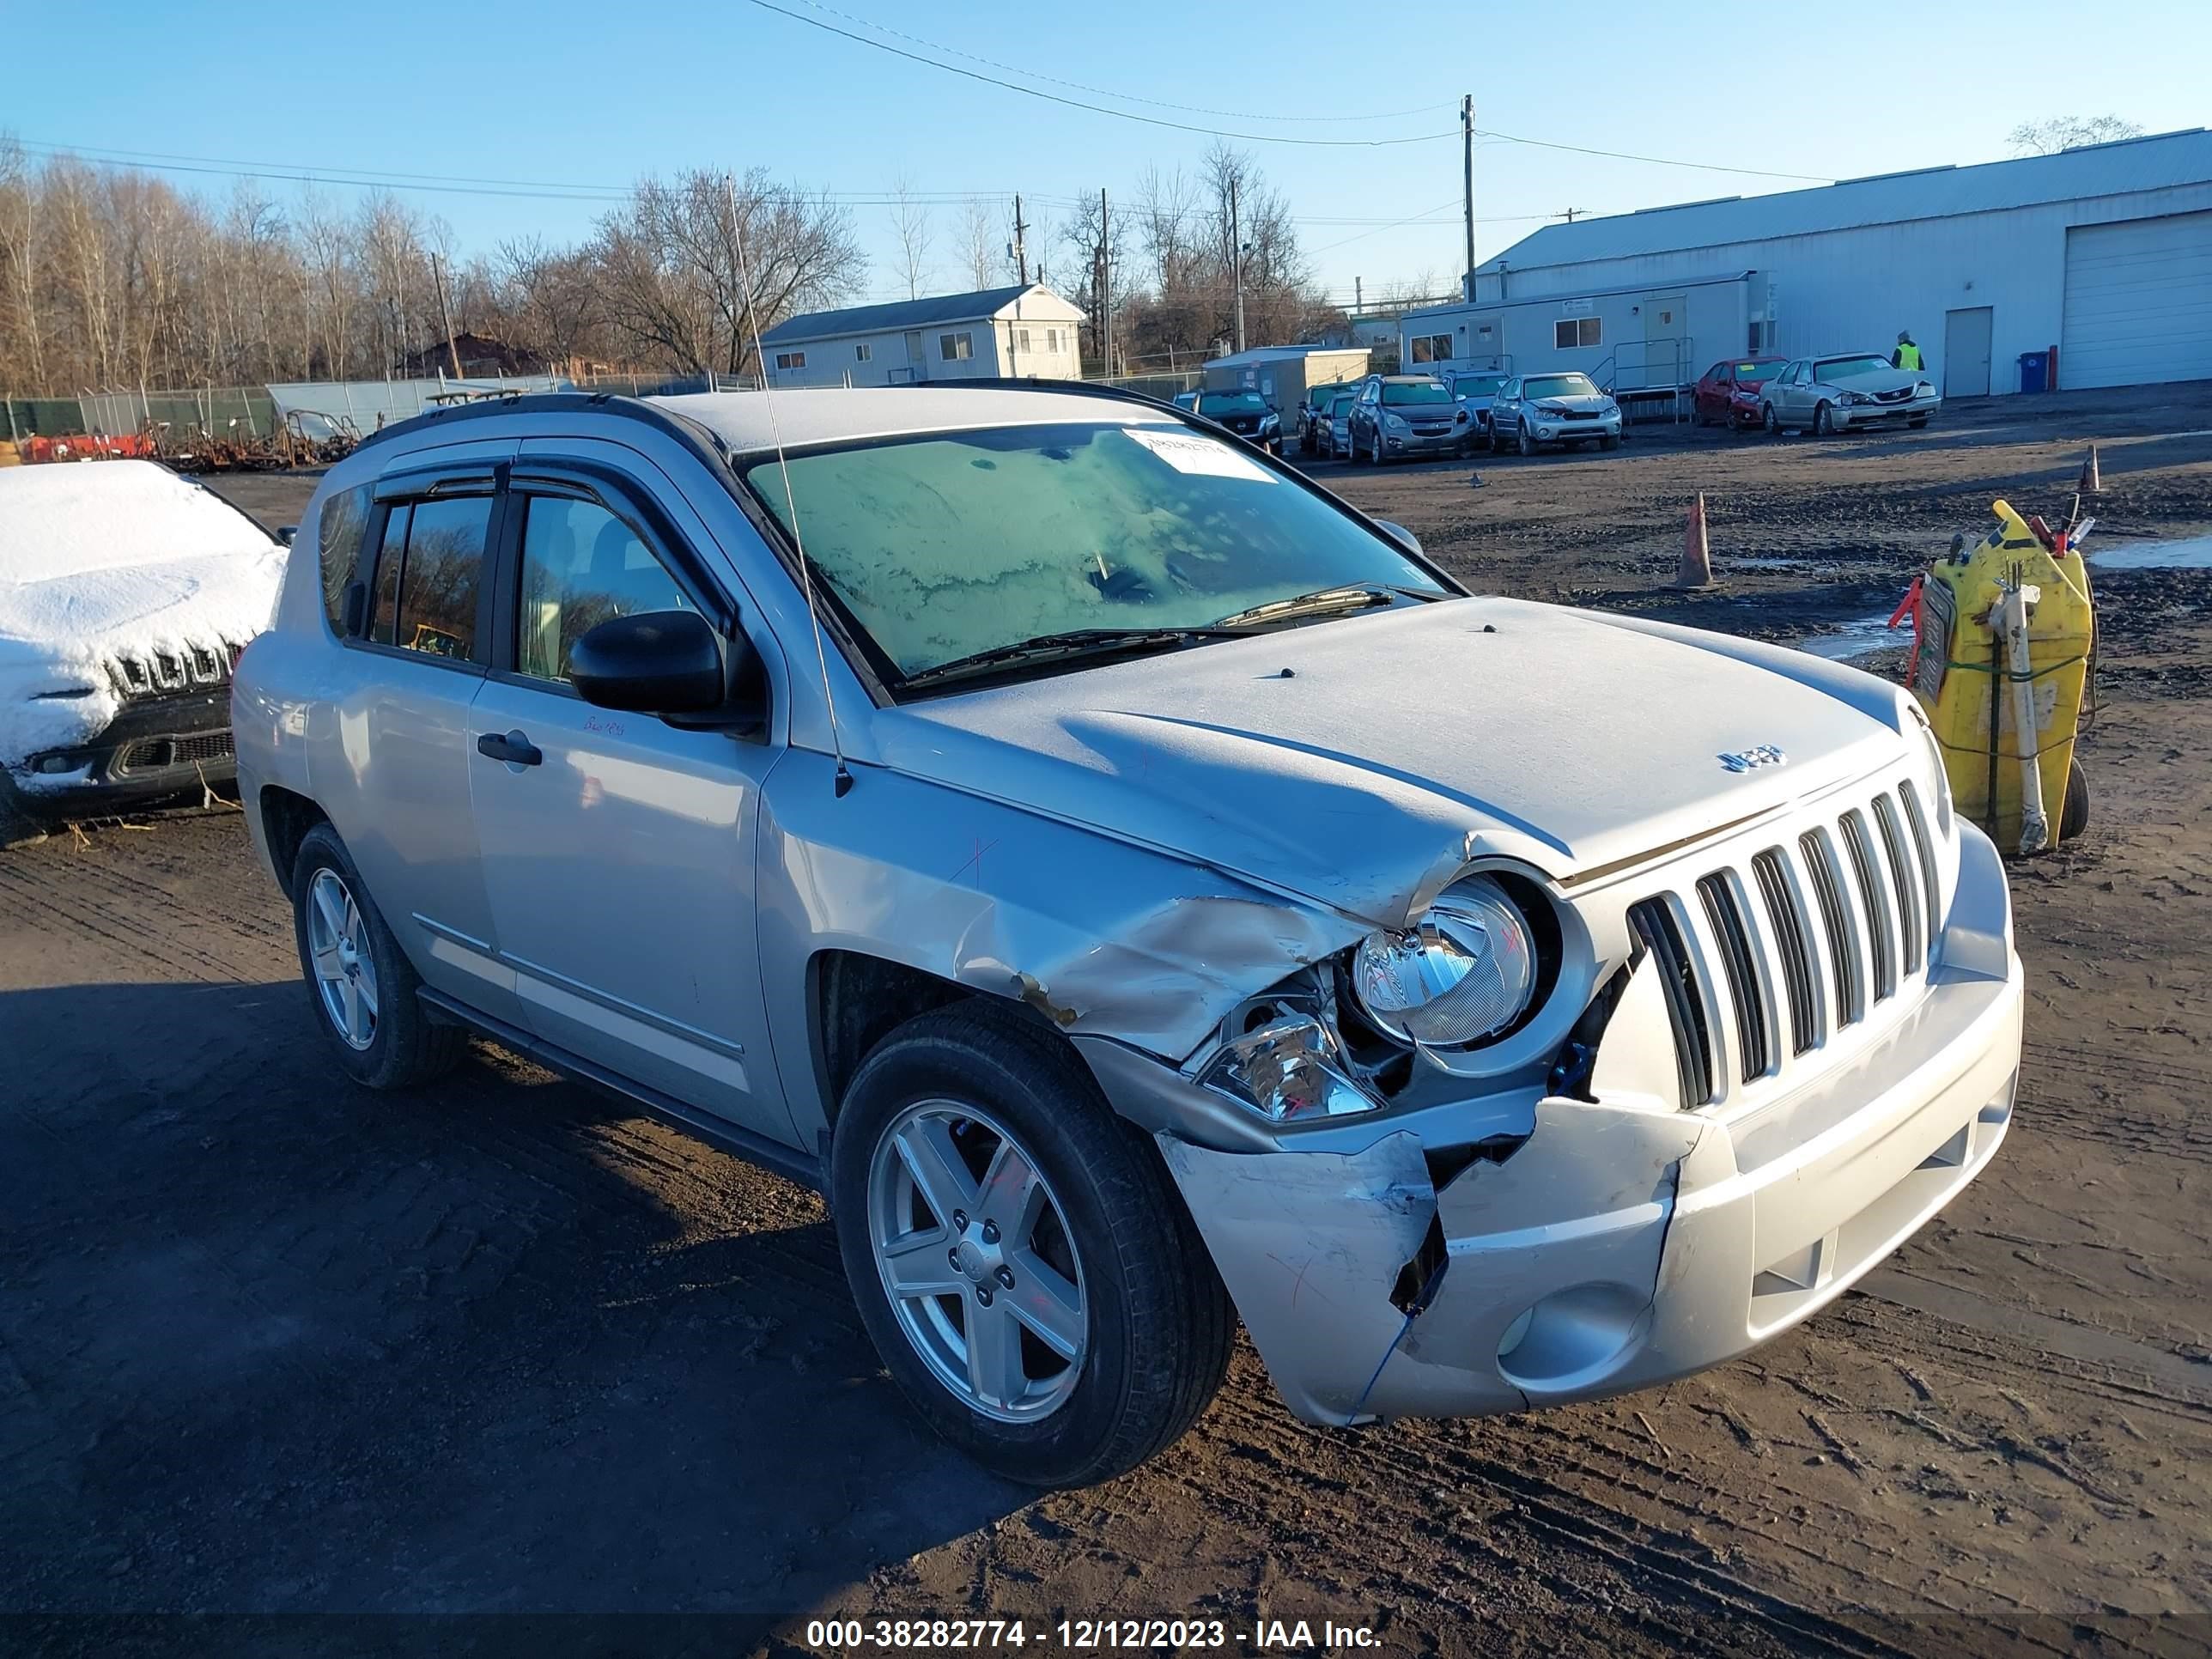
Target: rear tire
2074, 814
359, 982
1129, 1284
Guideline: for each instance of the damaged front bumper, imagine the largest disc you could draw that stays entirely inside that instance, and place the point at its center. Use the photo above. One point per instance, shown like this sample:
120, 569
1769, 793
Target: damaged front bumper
1610, 1246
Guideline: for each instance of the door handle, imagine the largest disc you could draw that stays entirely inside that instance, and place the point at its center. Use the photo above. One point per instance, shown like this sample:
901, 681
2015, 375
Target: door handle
514, 749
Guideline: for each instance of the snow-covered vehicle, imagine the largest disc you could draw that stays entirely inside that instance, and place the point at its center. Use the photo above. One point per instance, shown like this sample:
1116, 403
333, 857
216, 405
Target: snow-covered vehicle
126, 594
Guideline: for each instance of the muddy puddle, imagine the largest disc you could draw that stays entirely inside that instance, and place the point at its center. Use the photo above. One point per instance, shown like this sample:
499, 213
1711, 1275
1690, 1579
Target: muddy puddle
2191, 553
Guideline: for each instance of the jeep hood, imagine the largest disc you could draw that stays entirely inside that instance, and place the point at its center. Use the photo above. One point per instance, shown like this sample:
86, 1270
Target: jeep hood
1359, 763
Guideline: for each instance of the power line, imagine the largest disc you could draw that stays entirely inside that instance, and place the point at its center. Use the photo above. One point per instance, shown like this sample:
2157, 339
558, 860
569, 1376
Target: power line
1657, 160
1107, 92
1096, 109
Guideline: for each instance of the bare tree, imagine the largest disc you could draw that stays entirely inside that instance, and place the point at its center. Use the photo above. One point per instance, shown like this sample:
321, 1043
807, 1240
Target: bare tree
979, 241
911, 229
669, 265
2062, 132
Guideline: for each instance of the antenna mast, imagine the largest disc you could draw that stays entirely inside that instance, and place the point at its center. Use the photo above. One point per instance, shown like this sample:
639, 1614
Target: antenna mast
844, 776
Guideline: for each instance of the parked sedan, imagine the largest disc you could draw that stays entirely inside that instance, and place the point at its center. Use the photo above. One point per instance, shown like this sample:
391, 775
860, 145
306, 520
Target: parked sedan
1313, 416
1475, 391
1729, 394
1244, 413
1837, 394
1397, 415
1534, 410
125, 595
1336, 424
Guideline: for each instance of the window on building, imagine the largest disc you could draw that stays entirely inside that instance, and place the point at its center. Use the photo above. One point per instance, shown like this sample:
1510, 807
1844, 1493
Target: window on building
580, 565
1051, 339
1570, 333
862, 352
1432, 348
1021, 339
956, 348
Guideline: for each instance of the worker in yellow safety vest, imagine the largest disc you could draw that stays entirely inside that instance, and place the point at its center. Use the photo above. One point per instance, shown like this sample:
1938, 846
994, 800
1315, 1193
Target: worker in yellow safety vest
1907, 355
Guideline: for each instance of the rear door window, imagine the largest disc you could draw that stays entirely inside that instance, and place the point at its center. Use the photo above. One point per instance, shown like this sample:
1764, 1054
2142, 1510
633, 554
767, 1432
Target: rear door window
429, 576
440, 583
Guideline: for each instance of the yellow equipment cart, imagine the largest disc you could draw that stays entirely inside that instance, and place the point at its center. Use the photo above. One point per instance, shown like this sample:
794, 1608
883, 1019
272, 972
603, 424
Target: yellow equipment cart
2003, 634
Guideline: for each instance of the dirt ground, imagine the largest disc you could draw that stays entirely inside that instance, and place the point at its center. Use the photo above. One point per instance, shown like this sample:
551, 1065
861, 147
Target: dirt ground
274, 1350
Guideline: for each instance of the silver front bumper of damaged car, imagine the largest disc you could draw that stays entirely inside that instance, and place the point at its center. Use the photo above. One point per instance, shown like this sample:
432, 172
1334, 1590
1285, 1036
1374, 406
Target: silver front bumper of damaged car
1616, 1247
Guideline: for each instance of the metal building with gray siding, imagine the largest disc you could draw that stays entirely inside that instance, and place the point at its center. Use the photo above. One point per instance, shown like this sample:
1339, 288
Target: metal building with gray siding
2104, 252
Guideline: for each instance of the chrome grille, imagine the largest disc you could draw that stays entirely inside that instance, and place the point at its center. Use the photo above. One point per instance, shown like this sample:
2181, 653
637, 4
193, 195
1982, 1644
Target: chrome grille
1790, 927
1661, 935
1843, 918
1733, 929
1873, 904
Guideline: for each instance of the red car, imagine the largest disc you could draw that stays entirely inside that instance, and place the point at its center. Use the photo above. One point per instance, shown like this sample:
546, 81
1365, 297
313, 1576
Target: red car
1729, 392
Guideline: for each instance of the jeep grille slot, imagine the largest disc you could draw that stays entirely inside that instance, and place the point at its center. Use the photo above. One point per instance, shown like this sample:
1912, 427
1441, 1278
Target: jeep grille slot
1739, 965
1843, 949
1654, 921
1873, 899
1902, 882
1924, 847
1791, 940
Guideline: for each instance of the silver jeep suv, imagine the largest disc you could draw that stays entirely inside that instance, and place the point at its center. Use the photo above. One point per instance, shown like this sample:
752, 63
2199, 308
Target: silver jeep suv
1140, 890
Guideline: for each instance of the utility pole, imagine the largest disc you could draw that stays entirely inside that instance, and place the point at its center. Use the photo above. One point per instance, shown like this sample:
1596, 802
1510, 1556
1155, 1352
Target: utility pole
1105, 284
1236, 259
1466, 171
446, 316
1358, 298
1020, 250
1569, 214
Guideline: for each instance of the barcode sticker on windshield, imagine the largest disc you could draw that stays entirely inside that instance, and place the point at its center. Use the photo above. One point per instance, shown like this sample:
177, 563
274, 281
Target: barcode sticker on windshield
1188, 451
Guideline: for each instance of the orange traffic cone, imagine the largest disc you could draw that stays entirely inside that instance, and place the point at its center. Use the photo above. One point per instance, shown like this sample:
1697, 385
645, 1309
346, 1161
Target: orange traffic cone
2091, 484
1696, 569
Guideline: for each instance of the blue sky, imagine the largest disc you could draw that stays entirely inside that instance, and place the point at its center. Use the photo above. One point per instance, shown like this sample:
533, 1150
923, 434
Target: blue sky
594, 95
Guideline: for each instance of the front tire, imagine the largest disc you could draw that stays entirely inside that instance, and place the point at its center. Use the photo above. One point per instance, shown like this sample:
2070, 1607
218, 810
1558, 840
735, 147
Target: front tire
360, 983
1824, 422
1524, 443
1918, 423
1610, 440
1019, 1255
1769, 421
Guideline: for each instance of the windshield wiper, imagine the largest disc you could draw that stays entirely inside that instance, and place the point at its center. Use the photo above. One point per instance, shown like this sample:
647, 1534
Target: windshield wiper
1075, 642
1326, 601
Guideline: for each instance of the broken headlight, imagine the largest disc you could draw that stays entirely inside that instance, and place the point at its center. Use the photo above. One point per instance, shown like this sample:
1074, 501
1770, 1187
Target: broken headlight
1465, 970
1289, 1067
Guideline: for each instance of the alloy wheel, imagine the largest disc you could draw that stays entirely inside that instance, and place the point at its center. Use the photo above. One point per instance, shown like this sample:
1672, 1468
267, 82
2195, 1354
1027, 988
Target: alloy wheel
975, 1257
345, 970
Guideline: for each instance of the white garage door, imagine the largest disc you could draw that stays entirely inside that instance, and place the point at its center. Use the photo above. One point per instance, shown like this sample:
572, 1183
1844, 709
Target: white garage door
2138, 303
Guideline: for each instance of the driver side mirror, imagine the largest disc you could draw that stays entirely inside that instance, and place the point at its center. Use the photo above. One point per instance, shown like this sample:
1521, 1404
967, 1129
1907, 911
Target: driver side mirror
1398, 533
672, 665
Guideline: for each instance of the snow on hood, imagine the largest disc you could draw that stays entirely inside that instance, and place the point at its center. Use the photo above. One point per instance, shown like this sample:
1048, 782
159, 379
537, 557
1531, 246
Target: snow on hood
1401, 743
108, 561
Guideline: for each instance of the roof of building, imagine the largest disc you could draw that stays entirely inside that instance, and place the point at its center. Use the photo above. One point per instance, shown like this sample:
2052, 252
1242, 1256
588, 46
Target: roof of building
899, 315
2132, 164
843, 414
1271, 354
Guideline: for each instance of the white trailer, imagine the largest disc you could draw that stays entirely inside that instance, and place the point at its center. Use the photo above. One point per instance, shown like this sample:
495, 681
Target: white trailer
1628, 340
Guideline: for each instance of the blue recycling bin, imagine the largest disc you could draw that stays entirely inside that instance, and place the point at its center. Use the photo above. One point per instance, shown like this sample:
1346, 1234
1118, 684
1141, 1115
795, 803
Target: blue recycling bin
2034, 371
